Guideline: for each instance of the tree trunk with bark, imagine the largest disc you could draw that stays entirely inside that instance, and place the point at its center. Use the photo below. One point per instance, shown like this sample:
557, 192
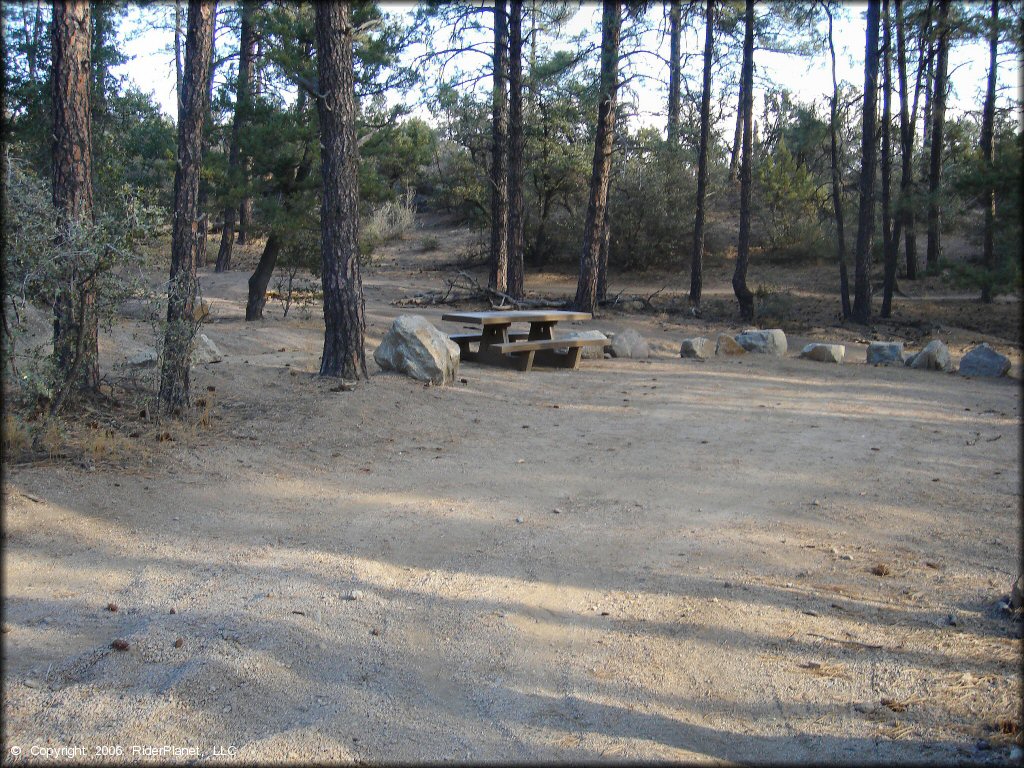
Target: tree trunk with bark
178, 76
260, 278
674, 78
739, 278
988, 155
697, 261
344, 306
590, 259
905, 210
498, 276
75, 330
737, 135
888, 241
246, 60
869, 161
837, 182
516, 221
181, 291
938, 124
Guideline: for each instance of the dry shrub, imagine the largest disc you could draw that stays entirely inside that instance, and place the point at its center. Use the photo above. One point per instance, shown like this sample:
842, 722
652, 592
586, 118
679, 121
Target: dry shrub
16, 438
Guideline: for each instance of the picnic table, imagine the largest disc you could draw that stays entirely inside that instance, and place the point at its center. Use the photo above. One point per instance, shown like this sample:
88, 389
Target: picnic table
497, 344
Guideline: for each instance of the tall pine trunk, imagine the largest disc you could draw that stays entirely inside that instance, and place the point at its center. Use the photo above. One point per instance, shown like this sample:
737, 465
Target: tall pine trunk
247, 43
739, 276
697, 260
181, 291
593, 229
888, 242
516, 222
75, 331
837, 181
674, 78
498, 276
869, 161
905, 209
737, 136
344, 306
935, 154
988, 155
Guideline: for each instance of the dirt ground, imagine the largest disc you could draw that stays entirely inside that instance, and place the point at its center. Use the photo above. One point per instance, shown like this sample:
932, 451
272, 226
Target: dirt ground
739, 560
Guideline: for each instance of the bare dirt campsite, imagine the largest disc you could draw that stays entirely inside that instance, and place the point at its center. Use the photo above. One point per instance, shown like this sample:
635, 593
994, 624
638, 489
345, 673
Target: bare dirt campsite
751, 559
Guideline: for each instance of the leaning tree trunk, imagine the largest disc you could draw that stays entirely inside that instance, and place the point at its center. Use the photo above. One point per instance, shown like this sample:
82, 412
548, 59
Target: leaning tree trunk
245, 73
516, 222
181, 290
888, 241
938, 124
739, 277
586, 287
905, 215
260, 278
988, 156
344, 306
498, 276
869, 160
75, 333
674, 79
837, 182
697, 261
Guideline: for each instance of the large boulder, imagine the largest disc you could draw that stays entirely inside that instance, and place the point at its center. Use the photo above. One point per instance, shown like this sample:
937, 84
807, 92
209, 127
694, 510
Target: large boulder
629, 343
824, 353
984, 361
727, 345
885, 353
698, 348
769, 342
416, 348
591, 351
934, 357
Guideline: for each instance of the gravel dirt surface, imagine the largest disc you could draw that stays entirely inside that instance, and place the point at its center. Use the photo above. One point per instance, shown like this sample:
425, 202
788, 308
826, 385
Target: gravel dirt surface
740, 560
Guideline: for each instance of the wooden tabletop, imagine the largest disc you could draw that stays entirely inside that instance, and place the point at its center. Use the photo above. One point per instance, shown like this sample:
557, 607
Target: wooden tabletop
516, 316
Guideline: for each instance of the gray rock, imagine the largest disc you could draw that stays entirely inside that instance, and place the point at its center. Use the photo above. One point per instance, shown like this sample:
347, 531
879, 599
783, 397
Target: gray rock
416, 348
984, 361
727, 345
205, 351
589, 352
699, 348
885, 352
768, 342
934, 357
145, 359
824, 353
629, 343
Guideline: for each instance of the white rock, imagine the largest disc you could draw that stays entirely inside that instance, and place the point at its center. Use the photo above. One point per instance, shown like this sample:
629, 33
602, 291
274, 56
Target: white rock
205, 351
768, 342
984, 361
824, 353
727, 345
631, 344
416, 348
698, 348
885, 353
934, 357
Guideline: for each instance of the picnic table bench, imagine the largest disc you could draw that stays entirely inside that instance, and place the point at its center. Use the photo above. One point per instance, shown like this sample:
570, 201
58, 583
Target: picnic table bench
498, 345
